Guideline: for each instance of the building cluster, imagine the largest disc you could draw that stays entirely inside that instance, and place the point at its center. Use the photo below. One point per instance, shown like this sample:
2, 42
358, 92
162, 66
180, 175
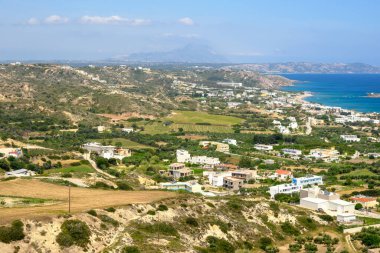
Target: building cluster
107, 151
183, 156
295, 186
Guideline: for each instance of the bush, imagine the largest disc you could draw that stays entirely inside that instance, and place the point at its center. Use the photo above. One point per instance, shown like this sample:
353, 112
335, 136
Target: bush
295, 247
74, 232
192, 221
264, 242
110, 209
160, 227
75, 164
162, 207
326, 217
358, 206
219, 245
92, 212
307, 222
130, 249
107, 219
151, 212
289, 229
13, 233
67, 175
310, 248
124, 186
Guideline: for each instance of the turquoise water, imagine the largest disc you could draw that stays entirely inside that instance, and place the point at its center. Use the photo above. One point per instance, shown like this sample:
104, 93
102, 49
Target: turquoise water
345, 90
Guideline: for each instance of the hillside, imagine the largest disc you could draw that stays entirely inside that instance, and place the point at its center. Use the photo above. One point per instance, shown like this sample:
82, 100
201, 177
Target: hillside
184, 224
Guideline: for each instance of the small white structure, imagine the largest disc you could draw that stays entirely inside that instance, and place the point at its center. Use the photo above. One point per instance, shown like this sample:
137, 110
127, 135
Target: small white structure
283, 174
314, 203
341, 206
127, 130
346, 217
230, 141
263, 147
292, 152
101, 129
20, 173
15, 152
350, 138
190, 186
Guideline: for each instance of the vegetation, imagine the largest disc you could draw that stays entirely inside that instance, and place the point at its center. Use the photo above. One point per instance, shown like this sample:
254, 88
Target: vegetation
15, 232
74, 232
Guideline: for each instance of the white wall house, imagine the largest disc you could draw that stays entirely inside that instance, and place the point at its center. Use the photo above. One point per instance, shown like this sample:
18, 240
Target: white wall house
263, 147
216, 178
350, 138
292, 152
230, 141
308, 180
183, 156
284, 188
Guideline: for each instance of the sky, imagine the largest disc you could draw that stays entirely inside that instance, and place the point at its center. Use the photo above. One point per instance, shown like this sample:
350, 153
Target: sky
242, 30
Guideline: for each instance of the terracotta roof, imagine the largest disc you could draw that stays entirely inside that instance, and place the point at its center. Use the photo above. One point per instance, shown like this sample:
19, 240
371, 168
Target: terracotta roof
363, 199
283, 172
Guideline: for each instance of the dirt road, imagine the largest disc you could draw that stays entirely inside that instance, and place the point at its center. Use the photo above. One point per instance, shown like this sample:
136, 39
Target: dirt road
81, 199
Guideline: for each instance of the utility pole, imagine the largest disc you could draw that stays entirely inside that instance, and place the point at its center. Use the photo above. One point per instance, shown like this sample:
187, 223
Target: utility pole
69, 197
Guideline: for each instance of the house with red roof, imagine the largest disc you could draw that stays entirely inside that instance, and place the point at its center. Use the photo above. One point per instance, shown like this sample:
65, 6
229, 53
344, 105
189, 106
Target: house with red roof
283, 174
367, 202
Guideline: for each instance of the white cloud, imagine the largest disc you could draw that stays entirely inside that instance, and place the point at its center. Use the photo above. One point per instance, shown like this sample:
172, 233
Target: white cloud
186, 21
55, 19
33, 21
110, 20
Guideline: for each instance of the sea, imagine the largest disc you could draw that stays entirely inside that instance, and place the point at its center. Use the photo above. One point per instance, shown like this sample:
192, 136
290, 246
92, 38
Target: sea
348, 91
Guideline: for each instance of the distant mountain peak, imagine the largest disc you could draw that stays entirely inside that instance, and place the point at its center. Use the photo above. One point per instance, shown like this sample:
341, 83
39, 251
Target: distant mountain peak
191, 53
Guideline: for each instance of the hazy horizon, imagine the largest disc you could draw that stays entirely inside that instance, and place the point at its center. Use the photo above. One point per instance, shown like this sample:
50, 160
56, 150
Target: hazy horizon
239, 31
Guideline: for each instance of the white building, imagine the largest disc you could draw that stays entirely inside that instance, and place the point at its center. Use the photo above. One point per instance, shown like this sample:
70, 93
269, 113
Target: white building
293, 125
328, 155
216, 178
341, 206
346, 217
350, 138
107, 151
204, 160
308, 180
292, 152
263, 147
190, 186
20, 173
127, 130
183, 156
314, 203
284, 188
230, 141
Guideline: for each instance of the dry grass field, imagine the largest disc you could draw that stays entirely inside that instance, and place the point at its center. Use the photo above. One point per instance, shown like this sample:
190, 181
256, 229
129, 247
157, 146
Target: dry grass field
82, 199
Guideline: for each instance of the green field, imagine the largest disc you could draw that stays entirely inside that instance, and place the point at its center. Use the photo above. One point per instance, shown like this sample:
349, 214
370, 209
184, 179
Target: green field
361, 172
78, 170
192, 117
190, 121
124, 142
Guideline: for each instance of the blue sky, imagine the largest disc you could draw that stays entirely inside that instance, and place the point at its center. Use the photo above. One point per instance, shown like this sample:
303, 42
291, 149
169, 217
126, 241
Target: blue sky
243, 30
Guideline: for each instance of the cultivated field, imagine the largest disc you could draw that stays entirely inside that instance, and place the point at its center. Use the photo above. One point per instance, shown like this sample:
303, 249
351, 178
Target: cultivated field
81, 199
202, 117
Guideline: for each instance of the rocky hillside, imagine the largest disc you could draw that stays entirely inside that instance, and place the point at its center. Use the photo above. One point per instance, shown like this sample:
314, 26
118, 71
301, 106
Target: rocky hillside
184, 224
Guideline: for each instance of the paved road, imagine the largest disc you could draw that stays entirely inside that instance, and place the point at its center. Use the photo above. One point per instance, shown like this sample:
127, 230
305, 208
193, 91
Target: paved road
358, 229
93, 164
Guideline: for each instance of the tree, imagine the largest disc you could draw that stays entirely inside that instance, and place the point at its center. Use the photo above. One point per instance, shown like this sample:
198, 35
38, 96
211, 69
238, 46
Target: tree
358, 206
245, 162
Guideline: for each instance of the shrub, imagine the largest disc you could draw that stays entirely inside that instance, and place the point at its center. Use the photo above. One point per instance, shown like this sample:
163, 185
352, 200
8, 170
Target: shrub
310, 248
219, 245
110, 209
92, 212
295, 247
67, 175
307, 222
74, 232
264, 242
130, 249
13, 233
160, 227
75, 164
124, 186
107, 219
192, 221
162, 207
289, 229
358, 206
151, 212
326, 217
